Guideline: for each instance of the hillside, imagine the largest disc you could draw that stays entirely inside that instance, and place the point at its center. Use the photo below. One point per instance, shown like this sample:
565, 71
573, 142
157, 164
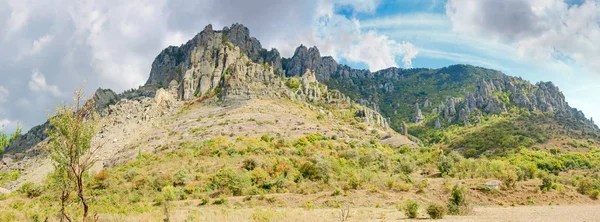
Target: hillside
433, 103
226, 130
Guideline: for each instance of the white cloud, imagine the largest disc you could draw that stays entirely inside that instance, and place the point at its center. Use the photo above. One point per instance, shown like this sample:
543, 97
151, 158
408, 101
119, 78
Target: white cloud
3, 94
36, 46
342, 37
19, 15
39, 44
5, 122
375, 50
410, 52
37, 83
545, 30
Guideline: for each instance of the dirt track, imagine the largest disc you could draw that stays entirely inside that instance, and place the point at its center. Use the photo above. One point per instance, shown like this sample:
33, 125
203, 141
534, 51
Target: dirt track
571, 213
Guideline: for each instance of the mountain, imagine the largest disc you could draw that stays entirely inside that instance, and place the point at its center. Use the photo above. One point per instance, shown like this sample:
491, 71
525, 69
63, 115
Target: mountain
455, 95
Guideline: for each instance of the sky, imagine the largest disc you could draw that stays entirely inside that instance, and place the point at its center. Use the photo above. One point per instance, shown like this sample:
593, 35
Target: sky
51, 47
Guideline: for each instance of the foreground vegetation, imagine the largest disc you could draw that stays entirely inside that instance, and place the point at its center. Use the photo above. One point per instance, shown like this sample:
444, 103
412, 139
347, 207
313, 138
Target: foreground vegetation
213, 171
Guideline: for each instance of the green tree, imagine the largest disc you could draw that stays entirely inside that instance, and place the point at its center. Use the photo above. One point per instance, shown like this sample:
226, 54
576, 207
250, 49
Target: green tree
6, 139
71, 131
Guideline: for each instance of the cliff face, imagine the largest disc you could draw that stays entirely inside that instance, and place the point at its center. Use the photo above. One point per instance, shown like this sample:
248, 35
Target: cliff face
171, 62
232, 65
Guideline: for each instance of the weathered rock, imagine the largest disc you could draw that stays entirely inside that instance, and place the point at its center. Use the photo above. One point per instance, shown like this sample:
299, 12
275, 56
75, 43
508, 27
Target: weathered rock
310, 58
404, 129
426, 104
418, 118
493, 184
4, 191
104, 97
438, 123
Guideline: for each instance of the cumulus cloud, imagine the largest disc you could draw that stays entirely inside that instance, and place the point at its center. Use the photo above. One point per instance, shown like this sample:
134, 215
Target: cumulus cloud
39, 44
3, 94
409, 54
37, 83
541, 29
19, 15
343, 38
506, 19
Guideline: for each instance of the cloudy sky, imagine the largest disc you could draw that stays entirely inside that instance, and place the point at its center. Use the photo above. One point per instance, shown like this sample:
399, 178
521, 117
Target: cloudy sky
50, 47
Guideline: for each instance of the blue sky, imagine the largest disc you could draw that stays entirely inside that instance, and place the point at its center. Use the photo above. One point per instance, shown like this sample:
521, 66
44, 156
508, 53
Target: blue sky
50, 47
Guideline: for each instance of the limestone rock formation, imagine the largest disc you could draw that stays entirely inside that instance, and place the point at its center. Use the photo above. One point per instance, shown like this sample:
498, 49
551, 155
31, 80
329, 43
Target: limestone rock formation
310, 58
404, 129
438, 124
418, 118
105, 97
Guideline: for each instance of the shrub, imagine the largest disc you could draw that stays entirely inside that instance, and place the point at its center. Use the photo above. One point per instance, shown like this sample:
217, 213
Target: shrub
101, 180
317, 168
130, 175
249, 164
168, 193
354, 182
204, 200
585, 186
221, 201
31, 190
457, 204
405, 166
422, 185
436, 211
229, 179
293, 83
546, 184
411, 208
180, 178
267, 138
336, 192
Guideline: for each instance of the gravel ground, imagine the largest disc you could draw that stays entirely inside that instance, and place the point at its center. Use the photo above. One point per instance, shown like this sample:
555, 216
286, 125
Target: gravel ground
570, 213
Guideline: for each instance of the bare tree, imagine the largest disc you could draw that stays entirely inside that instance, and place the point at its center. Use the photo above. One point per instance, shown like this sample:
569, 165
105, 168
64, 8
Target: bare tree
71, 132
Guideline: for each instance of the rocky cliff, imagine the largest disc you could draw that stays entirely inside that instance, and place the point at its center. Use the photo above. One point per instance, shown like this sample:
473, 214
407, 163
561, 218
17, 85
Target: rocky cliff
230, 64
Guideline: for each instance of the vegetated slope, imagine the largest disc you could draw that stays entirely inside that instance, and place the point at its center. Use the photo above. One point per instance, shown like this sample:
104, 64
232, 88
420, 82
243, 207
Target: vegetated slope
432, 101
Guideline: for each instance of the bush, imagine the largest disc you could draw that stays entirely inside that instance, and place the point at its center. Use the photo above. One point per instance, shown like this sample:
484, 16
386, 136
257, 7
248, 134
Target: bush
229, 179
546, 184
317, 168
180, 178
31, 190
457, 204
249, 164
221, 201
411, 209
585, 186
101, 180
354, 182
168, 193
436, 211
205, 200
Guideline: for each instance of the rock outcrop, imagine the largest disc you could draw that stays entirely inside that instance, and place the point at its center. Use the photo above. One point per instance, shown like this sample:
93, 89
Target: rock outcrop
310, 58
418, 118
438, 124
105, 97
